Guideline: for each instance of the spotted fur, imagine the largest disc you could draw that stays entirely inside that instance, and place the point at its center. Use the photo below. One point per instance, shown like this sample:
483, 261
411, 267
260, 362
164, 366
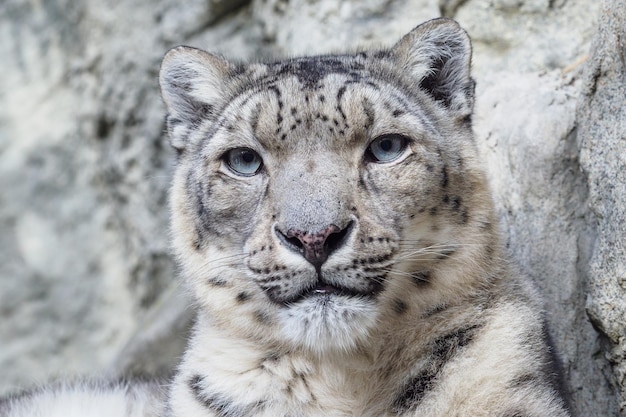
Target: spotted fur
334, 225
329, 282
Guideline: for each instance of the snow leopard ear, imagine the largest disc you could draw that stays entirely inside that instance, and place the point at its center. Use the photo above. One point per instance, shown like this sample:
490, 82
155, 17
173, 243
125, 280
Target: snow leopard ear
437, 55
194, 84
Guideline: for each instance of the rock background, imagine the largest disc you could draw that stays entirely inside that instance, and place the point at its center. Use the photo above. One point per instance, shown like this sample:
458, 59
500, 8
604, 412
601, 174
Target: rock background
87, 283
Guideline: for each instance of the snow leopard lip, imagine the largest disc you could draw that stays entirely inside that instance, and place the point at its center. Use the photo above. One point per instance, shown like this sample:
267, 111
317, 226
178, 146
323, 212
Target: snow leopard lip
324, 290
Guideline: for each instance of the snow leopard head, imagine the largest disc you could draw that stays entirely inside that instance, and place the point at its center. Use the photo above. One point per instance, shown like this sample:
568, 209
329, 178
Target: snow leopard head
317, 198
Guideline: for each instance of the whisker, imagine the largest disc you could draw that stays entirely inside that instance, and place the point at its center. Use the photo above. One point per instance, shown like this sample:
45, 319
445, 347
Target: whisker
422, 255
237, 256
427, 252
418, 241
413, 275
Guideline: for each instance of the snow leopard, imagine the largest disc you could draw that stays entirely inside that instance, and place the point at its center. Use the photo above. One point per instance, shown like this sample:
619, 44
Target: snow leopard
335, 230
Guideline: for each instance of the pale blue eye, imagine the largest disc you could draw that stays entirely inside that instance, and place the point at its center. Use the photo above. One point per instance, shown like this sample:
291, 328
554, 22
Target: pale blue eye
387, 148
243, 161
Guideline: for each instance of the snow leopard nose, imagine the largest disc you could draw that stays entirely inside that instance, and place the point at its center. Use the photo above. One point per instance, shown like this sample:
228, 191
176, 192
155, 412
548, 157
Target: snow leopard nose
318, 246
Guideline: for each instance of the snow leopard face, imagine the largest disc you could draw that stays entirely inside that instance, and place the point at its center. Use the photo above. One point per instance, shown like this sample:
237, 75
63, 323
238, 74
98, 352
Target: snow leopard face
317, 198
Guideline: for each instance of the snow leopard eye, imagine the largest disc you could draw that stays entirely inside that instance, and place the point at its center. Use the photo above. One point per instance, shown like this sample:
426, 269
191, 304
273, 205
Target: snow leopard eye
387, 148
243, 161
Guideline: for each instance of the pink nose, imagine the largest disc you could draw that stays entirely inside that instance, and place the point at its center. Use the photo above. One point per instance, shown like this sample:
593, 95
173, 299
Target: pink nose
317, 247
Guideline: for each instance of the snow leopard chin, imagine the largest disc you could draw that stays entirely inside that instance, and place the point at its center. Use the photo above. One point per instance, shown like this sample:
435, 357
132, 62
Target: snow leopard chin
328, 323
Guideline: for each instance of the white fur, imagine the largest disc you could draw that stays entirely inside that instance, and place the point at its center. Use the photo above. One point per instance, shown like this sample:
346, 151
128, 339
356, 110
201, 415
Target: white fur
90, 400
325, 324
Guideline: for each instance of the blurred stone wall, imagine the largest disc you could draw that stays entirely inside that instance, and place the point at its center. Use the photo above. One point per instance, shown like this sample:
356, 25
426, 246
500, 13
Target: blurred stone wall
87, 285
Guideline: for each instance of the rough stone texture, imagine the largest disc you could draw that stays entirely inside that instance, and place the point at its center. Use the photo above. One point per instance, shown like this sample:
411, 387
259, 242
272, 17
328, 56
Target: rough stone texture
541, 195
602, 133
87, 282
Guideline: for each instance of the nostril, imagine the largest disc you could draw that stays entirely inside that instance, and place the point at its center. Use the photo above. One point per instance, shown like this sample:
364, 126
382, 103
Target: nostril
290, 241
294, 241
336, 240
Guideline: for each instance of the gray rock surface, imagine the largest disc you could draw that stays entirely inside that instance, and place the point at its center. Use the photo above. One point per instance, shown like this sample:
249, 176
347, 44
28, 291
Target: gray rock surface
602, 133
87, 283
541, 195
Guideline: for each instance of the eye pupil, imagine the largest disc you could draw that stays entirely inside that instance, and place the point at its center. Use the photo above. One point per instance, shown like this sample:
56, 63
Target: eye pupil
247, 157
386, 145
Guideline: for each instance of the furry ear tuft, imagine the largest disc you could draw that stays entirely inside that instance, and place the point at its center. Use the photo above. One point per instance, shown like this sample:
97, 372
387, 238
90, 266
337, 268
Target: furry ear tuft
193, 84
437, 55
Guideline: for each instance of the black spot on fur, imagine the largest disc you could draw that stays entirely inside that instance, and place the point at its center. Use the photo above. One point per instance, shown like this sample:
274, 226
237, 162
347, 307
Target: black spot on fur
217, 282
464, 217
310, 72
340, 94
400, 306
272, 357
218, 405
200, 193
276, 91
456, 203
242, 297
368, 109
414, 391
381, 54
302, 378
262, 317
442, 350
446, 346
421, 278
444, 177
254, 119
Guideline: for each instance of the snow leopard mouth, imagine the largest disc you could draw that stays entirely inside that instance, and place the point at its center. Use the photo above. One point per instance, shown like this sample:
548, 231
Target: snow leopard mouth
327, 291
